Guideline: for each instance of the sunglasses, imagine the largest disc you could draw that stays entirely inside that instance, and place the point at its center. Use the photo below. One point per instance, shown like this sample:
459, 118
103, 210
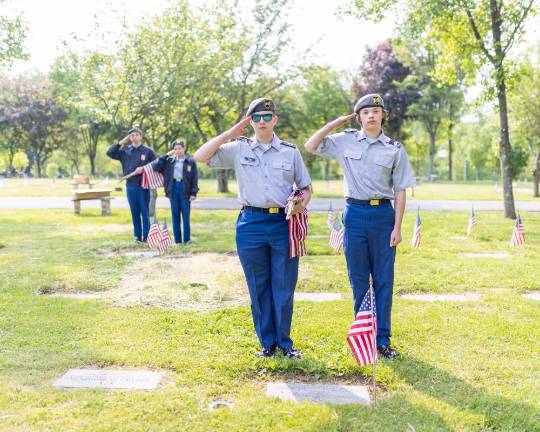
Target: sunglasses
257, 117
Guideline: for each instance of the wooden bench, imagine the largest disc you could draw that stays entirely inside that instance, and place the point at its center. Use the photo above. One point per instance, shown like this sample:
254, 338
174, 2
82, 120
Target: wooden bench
80, 180
93, 194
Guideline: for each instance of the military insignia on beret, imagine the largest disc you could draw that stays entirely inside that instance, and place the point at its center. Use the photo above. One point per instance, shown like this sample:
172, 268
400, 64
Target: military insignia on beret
268, 104
377, 100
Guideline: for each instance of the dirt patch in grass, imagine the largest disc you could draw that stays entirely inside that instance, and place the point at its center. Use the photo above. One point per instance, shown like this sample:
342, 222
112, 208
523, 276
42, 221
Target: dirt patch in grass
200, 282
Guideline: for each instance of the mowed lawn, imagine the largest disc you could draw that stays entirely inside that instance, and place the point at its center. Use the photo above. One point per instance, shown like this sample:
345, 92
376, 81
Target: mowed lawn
464, 366
481, 191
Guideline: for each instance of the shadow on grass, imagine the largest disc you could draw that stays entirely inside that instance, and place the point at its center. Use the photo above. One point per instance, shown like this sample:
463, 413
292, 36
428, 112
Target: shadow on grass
496, 412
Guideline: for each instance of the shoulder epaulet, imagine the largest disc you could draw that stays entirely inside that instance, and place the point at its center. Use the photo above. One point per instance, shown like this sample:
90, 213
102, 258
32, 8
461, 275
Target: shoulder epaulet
394, 143
285, 143
350, 130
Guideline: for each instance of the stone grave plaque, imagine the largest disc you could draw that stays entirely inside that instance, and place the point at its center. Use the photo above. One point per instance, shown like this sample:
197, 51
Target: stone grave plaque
109, 379
319, 393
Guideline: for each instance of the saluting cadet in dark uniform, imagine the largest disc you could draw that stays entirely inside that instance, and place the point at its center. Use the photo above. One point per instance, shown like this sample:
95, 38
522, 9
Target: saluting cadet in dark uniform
181, 184
266, 169
131, 157
376, 170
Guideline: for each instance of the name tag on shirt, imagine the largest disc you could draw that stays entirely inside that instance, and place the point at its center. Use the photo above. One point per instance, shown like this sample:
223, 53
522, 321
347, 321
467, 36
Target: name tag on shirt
188, 168
143, 157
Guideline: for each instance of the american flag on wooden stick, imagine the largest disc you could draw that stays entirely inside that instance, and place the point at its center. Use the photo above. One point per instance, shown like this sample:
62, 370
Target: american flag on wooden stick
165, 240
151, 179
518, 234
416, 234
336, 235
472, 222
154, 235
298, 225
362, 335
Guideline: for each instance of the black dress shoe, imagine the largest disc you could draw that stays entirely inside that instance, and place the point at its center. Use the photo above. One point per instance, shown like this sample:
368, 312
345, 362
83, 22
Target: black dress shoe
266, 352
291, 353
387, 352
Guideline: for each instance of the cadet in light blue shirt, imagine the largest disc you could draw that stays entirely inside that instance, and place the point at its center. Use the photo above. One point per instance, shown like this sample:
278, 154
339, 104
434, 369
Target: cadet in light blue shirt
267, 170
376, 171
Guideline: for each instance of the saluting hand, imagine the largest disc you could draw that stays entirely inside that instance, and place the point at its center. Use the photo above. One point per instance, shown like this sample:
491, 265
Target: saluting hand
340, 121
239, 128
124, 140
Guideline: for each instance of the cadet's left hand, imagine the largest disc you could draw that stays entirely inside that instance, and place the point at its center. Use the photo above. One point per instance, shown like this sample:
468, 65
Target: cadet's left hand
192, 198
395, 237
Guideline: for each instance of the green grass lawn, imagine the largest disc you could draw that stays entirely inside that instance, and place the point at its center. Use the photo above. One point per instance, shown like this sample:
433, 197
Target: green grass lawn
481, 191
464, 366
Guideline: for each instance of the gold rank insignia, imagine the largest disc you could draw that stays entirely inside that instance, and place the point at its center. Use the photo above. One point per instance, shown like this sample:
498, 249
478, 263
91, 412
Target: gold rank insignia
377, 100
268, 104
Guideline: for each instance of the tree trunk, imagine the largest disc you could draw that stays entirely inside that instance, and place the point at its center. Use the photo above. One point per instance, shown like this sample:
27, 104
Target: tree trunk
505, 150
92, 158
450, 126
431, 155
222, 181
536, 179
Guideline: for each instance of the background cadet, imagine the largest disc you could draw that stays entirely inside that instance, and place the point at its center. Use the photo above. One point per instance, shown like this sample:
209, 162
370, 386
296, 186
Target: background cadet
376, 170
132, 156
181, 184
266, 169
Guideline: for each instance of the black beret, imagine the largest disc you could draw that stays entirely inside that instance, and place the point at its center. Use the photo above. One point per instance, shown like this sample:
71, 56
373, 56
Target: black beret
370, 100
135, 129
261, 104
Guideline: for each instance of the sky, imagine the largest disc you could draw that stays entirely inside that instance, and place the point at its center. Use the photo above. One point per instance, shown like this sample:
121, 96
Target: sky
335, 41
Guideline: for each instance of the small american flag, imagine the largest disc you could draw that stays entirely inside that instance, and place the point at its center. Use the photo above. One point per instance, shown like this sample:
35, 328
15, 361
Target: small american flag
154, 235
363, 332
151, 179
472, 222
330, 218
416, 234
518, 235
298, 226
165, 240
336, 235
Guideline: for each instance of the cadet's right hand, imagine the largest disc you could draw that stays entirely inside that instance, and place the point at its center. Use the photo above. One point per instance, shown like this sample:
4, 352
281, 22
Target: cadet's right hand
124, 140
139, 170
239, 128
340, 121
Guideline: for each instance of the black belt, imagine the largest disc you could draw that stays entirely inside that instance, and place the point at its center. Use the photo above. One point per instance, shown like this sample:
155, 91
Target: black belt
371, 202
263, 209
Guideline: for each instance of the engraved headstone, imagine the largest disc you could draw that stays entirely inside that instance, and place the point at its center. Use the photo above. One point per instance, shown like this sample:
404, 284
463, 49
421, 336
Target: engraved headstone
443, 297
319, 393
109, 379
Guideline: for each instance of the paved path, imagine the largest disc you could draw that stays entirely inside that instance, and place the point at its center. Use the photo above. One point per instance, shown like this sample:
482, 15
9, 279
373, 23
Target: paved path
317, 204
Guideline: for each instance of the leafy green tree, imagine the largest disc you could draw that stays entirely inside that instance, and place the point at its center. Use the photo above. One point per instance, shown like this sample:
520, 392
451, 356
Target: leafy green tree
471, 36
525, 112
20, 161
12, 35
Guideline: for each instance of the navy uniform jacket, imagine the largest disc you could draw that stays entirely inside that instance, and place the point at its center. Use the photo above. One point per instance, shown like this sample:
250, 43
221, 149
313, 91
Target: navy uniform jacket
190, 177
131, 158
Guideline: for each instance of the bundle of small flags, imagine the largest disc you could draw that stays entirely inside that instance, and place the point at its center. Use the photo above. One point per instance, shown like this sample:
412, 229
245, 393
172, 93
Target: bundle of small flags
518, 234
151, 179
159, 237
416, 234
298, 225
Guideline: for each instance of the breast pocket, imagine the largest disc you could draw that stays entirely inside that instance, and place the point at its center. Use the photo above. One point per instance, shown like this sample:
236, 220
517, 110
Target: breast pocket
384, 164
283, 170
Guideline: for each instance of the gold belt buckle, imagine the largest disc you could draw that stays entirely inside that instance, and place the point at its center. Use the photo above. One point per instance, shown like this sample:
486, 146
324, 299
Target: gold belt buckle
273, 210
374, 202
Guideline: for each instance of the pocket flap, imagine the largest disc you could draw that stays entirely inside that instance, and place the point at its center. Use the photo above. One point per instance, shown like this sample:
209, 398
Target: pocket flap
284, 165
